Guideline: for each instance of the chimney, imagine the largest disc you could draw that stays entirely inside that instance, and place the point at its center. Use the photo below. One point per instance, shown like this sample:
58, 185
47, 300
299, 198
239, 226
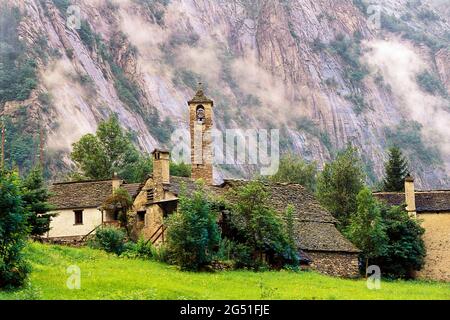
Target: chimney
410, 196
161, 166
116, 182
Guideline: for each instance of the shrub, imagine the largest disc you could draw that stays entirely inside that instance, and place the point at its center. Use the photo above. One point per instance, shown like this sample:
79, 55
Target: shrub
142, 249
359, 104
405, 251
431, 84
111, 240
193, 233
161, 254
242, 256
407, 135
86, 34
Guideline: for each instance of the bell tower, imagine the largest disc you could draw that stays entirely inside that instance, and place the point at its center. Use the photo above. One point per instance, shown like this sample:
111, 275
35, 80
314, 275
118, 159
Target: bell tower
201, 124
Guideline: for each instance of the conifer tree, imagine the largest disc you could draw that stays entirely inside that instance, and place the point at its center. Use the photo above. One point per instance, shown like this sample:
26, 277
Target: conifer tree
35, 200
396, 170
13, 232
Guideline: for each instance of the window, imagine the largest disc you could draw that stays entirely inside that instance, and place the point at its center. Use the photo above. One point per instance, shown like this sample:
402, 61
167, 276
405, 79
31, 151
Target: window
150, 196
78, 217
141, 216
201, 114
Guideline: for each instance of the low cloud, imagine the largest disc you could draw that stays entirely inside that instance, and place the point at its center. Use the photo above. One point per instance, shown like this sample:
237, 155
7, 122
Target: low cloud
69, 105
400, 64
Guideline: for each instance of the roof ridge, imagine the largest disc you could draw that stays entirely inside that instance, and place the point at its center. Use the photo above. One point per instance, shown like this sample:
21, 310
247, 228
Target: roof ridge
84, 181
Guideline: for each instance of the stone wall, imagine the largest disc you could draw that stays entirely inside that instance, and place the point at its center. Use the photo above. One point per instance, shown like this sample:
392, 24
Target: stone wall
336, 264
201, 160
437, 243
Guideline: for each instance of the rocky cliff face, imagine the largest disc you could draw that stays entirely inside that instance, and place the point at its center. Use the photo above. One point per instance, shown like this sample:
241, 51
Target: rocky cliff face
325, 72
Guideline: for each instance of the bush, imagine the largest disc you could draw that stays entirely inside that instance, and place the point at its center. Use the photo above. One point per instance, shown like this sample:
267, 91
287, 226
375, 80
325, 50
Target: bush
407, 135
242, 256
431, 84
193, 233
140, 250
111, 240
405, 251
258, 228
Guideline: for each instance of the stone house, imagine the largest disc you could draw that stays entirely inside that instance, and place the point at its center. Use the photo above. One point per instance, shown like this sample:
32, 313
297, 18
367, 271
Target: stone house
80, 210
432, 208
79, 207
321, 245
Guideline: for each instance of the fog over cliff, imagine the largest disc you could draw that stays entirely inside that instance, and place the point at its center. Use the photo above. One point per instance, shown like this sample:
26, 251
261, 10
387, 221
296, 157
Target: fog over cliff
318, 70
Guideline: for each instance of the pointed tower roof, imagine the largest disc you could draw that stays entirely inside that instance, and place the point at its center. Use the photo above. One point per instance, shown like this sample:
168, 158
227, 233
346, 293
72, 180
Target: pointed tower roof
200, 96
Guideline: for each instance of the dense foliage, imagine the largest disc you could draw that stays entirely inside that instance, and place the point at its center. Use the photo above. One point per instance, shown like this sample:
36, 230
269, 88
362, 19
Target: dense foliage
293, 169
339, 184
407, 135
405, 251
119, 204
431, 84
366, 229
396, 170
13, 232
109, 239
258, 229
193, 233
22, 141
110, 151
35, 200
17, 70
387, 236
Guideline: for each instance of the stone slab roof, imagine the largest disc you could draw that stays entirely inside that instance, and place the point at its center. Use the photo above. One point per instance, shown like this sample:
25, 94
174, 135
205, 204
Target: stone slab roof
426, 201
85, 194
316, 226
133, 189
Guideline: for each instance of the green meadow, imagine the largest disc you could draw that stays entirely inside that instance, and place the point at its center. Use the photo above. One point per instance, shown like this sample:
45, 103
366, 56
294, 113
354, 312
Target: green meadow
105, 276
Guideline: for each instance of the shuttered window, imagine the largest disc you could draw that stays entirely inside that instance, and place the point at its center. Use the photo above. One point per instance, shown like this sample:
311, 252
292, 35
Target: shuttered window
150, 195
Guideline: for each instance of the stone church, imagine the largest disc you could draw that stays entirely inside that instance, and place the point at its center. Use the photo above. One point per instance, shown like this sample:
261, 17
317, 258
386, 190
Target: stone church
321, 246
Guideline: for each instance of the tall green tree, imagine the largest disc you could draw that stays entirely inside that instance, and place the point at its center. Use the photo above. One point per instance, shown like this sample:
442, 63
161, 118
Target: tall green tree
110, 150
35, 200
193, 233
366, 229
396, 170
339, 183
258, 225
13, 232
293, 169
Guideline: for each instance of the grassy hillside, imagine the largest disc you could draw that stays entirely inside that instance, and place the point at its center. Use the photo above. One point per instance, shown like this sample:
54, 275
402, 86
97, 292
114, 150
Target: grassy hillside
105, 276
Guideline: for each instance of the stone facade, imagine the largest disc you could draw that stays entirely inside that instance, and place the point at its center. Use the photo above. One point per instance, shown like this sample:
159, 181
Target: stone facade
201, 124
432, 209
337, 264
437, 243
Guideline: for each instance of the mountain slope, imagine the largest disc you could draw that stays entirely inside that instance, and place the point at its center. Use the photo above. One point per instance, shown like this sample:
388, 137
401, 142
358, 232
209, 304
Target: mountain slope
319, 71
